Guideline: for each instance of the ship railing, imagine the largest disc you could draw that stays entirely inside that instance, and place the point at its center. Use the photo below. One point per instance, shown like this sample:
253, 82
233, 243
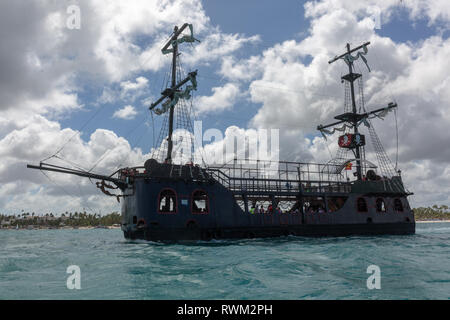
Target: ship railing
269, 176
287, 186
220, 177
272, 176
280, 170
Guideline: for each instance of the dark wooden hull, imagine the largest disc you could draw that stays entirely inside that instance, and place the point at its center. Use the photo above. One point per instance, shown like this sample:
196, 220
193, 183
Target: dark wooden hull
336, 230
227, 220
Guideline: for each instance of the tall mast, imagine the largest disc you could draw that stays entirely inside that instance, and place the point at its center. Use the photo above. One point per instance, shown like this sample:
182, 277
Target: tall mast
352, 77
352, 119
174, 83
174, 93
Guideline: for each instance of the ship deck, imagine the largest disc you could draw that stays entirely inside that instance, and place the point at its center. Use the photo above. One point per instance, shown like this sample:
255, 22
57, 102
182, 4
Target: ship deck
261, 179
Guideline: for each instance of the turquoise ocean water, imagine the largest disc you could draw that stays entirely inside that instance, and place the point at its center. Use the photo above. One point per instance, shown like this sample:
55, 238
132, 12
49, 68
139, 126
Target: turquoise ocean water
33, 265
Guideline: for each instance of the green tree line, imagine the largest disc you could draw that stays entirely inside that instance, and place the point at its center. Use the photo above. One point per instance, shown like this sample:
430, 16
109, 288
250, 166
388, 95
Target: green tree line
432, 213
83, 219
76, 219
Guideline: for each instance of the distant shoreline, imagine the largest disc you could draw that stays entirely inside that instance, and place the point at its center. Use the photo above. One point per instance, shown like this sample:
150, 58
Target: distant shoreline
431, 221
59, 228
118, 227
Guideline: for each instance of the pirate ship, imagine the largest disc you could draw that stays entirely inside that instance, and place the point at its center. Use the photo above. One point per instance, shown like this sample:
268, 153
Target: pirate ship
164, 200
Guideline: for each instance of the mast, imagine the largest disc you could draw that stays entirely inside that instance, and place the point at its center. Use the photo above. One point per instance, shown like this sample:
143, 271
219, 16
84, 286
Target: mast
174, 82
356, 141
351, 78
173, 94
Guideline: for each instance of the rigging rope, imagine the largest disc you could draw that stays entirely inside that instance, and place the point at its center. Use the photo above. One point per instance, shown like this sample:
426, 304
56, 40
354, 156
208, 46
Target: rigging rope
75, 134
396, 136
93, 116
65, 191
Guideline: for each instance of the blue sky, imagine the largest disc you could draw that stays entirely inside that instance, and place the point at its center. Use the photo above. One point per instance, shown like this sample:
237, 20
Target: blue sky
261, 64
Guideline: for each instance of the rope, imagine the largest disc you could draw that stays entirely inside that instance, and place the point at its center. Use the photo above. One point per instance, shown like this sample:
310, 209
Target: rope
62, 188
102, 185
75, 134
72, 163
128, 134
94, 115
396, 136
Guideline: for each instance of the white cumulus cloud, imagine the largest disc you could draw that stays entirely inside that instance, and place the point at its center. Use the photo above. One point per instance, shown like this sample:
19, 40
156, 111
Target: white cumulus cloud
222, 98
126, 113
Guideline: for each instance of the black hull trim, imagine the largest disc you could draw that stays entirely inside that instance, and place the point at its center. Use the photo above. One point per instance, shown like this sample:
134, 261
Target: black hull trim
168, 234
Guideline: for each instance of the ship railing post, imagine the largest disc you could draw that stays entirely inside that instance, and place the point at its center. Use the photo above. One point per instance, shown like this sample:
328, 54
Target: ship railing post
319, 176
234, 171
257, 168
240, 175
287, 172
307, 168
